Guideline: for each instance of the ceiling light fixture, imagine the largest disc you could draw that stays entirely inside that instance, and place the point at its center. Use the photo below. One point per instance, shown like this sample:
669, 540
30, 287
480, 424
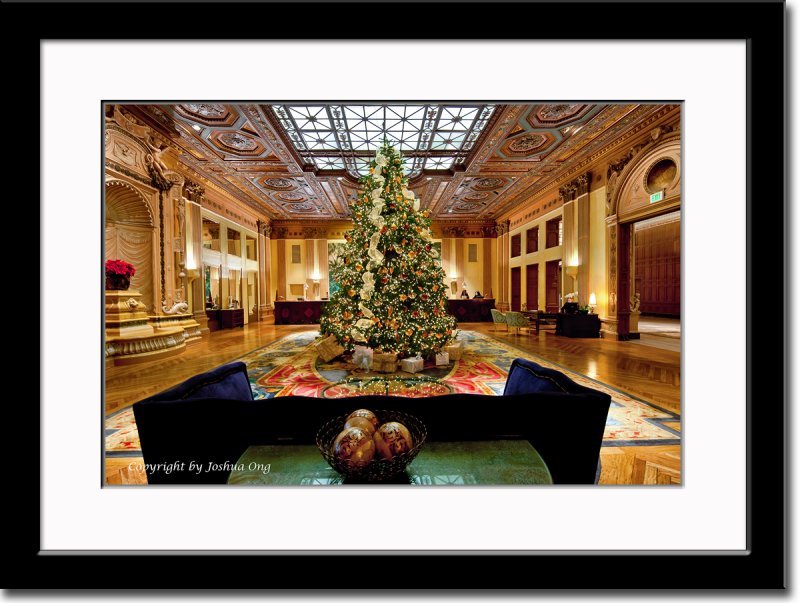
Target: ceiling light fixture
338, 177
428, 178
196, 127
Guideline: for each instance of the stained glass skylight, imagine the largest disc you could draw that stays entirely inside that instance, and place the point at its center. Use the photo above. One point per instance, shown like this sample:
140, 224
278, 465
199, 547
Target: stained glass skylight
344, 137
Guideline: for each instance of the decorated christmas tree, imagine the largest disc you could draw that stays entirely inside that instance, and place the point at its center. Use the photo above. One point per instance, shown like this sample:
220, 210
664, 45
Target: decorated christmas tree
392, 295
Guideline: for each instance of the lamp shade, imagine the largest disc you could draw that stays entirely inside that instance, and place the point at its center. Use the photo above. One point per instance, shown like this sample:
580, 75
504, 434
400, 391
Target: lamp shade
592, 299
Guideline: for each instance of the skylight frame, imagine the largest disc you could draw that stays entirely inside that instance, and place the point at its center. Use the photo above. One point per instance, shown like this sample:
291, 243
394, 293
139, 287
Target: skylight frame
332, 137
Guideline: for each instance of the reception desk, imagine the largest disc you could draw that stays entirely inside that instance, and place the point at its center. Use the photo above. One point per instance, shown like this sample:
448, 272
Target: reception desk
578, 325
225, 319
471, 310
298, 312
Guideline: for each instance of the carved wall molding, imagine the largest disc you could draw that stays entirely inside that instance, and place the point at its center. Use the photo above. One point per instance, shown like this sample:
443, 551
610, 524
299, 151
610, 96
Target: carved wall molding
193, 191
575, 188
125, 204
664, 143
502, 228
264, 228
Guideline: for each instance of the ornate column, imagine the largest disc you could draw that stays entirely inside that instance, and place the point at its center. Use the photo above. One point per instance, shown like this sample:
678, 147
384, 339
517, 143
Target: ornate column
322, 263
609, 323
616, 324
160, 178
624, 232
569, 247
311, 257
281, 284
503, 279
488, 234
582, 183
194, 193
264, 262
460, 264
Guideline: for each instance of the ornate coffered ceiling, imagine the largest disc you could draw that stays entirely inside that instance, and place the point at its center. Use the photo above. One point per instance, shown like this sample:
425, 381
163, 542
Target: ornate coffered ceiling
467, 161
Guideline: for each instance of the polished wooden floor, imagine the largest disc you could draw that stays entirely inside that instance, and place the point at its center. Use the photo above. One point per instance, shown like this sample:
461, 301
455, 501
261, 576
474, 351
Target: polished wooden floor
648, 372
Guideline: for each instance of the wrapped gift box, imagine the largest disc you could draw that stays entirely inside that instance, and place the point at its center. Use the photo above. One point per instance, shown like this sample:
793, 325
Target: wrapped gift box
455, 350
411, 365
442, 358
384, 363
329, 348
363, 355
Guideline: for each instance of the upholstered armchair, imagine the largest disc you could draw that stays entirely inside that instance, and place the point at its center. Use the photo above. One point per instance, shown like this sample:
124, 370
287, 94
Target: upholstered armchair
499, 318
516, 320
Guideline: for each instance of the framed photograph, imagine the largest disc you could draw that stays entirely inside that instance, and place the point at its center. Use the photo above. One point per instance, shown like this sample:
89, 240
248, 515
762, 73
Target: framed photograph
713, 519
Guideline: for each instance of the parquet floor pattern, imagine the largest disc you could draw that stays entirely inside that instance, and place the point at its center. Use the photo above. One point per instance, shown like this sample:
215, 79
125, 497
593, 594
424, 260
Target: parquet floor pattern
647, 372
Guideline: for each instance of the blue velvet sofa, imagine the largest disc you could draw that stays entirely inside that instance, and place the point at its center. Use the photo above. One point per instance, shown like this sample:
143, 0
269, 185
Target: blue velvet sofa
213, 418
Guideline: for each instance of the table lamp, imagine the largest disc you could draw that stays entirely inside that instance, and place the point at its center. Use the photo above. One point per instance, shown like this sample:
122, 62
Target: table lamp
592, 302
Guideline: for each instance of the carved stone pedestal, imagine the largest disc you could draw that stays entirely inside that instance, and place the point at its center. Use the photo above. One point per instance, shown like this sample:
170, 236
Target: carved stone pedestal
130, 336
191, 328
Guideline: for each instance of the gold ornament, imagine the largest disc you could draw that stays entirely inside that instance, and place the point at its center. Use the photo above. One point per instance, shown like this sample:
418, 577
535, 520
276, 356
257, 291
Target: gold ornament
361, 423
354, 445
367, 414
391, 439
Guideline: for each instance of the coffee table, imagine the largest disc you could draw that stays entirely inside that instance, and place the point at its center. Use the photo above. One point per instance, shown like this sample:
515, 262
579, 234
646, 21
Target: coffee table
467, 463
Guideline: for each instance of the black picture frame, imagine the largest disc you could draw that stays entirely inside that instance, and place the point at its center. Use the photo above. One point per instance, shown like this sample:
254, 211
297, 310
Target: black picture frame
764, 566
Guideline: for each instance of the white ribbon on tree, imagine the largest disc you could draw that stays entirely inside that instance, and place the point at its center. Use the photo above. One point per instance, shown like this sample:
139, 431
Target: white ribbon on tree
369, 285
367, 312
364, 323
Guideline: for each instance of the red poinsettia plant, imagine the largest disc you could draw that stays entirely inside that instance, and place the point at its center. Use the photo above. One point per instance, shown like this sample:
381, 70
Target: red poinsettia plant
119, 268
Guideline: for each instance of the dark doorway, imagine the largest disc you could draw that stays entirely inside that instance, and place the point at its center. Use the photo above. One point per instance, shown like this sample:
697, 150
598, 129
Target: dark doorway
657, 265
552, 273
516, 288
532, 287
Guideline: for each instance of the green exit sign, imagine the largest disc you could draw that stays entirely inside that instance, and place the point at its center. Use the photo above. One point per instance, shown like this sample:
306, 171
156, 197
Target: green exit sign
656, 196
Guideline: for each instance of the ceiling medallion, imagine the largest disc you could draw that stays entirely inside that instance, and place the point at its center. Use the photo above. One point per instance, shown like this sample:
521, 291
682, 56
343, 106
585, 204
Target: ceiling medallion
526, 143
279, 184
237, 141
207, 110
488, 184
291, 197
476, 196
302, 208
548, 116
208, 114
557, 112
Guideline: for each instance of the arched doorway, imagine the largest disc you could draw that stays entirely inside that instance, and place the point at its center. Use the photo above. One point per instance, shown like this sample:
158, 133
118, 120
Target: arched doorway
129, 235
644, 222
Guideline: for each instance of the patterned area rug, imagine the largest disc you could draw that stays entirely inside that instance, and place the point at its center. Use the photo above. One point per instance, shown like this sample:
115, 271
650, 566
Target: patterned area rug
291, 367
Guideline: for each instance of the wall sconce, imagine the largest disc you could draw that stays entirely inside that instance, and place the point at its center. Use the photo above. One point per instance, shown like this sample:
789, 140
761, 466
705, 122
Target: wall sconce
592, 302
